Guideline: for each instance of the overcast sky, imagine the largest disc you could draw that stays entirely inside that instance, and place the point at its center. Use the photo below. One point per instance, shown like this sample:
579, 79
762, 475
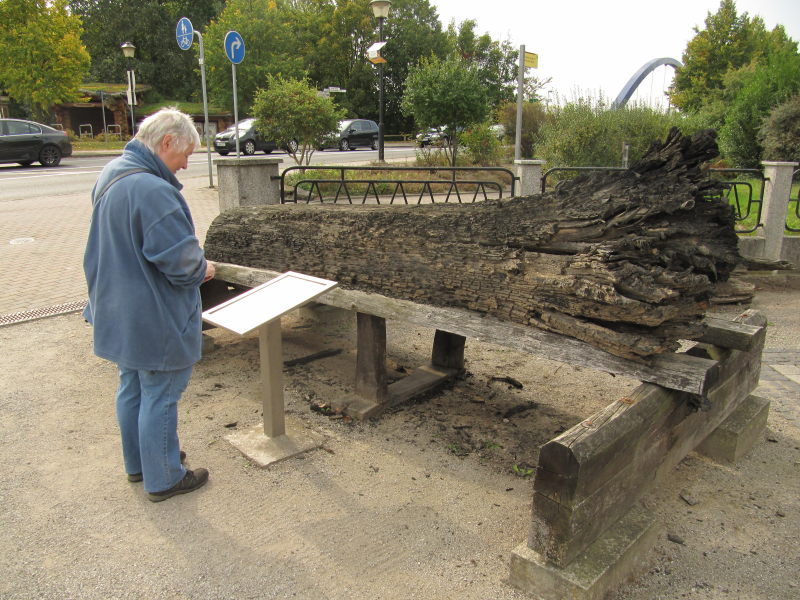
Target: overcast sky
595, 46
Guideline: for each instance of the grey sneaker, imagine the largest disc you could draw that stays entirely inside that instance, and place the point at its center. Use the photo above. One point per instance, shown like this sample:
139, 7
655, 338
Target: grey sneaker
190, 482
137, 477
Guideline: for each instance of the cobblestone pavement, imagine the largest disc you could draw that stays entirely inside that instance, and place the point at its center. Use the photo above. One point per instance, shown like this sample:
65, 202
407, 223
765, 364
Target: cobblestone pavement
41, 250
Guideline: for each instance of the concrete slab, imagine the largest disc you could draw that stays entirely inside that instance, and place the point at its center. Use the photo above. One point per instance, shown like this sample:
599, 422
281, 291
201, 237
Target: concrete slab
265, 451
601, 568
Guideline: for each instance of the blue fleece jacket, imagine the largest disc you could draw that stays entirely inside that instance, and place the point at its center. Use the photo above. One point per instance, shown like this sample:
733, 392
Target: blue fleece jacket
143, 266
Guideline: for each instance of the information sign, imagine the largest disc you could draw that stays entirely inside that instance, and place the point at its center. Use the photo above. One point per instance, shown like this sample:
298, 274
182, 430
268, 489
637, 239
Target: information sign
267, 302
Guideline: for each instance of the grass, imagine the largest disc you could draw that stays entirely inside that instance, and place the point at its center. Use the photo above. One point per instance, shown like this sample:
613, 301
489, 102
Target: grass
743, 190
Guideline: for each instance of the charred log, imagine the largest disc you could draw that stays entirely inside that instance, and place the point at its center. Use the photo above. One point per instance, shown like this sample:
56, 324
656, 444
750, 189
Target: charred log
626, 261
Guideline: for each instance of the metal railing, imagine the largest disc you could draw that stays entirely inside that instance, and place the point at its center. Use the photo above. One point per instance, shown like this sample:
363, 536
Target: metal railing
394, 188
732, 192
739, 194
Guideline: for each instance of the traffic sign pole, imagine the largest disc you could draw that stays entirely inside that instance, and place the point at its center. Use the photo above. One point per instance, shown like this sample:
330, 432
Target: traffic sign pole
205, 110
184, 34
234, 50
235, 108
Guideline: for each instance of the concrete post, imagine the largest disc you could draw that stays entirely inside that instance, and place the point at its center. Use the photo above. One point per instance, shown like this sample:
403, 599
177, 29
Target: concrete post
530, 177
777, 190
247, 181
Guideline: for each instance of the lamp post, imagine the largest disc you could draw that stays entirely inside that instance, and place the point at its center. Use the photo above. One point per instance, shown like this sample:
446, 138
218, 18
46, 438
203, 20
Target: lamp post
380, 9
128, 50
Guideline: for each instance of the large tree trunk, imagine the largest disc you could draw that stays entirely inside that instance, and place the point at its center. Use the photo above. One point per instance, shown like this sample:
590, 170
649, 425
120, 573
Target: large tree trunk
625, 261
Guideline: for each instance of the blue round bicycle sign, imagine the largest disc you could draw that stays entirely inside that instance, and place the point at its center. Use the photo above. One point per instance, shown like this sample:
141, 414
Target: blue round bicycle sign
184, 33
234, 47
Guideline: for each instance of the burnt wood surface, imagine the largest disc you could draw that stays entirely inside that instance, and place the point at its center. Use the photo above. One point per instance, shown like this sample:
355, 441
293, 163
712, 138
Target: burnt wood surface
624, 261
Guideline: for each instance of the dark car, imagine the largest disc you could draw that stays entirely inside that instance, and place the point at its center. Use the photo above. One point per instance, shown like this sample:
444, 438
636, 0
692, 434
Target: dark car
24, 142
250, 140
352, 134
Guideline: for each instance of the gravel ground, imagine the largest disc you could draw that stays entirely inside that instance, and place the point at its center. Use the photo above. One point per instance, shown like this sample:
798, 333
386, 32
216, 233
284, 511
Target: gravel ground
426, 502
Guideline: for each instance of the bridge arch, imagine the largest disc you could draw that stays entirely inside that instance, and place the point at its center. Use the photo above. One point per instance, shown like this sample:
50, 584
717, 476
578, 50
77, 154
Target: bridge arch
638, 77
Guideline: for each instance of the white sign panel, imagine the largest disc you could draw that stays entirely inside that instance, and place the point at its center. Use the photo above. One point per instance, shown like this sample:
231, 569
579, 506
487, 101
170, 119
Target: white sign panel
267, 302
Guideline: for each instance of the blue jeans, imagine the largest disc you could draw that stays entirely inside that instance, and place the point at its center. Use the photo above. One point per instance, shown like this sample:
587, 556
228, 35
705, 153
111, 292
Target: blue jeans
147, 413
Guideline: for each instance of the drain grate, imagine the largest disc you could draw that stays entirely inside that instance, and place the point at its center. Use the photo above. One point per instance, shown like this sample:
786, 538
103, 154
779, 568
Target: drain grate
41, 313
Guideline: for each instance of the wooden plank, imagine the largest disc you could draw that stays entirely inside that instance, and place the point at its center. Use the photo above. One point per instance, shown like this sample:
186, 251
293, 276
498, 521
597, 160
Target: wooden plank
590, 475
724, 333
675, 371
448, 350
371, 381
424, 379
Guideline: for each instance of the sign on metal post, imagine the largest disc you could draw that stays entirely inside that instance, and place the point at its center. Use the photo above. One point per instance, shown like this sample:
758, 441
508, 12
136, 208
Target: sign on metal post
234, 50
531, 60
184, 34
526, 60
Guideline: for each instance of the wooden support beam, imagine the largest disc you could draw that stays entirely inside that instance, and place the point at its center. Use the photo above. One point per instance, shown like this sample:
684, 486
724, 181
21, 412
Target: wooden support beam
675, 371
448, 350
371, 382
591, 475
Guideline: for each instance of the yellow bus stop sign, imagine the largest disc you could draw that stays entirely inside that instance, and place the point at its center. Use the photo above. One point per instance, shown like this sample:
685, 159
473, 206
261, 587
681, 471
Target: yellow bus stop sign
531, 60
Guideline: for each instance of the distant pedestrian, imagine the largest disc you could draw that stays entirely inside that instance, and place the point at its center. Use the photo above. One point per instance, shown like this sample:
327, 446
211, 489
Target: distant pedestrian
144, 266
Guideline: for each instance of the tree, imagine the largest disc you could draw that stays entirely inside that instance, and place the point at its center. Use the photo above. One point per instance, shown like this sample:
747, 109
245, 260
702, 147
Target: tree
446, 93
780, 133
751, 93
496, 62
728, 42
271, 49
289, 109
43, 59
150, 26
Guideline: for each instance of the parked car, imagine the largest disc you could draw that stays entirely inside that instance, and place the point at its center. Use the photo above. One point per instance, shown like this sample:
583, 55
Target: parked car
498, 130
24, 142
352, 133
435, 136
250, 140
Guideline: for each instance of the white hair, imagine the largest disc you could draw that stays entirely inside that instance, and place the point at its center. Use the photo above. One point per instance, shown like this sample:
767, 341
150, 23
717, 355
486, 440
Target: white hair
168, 121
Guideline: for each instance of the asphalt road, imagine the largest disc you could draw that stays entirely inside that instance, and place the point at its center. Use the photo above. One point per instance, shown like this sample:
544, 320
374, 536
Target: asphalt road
77, 174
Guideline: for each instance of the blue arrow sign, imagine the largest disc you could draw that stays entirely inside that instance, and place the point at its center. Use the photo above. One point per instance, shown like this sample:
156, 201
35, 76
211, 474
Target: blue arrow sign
184, 33
234, 47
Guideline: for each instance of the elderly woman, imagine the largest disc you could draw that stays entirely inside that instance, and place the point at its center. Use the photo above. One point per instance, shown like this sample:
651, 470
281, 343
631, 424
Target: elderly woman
144, 266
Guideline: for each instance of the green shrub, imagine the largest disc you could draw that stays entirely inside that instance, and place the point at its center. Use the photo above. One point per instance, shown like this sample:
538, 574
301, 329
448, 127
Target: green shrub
534, 116
780, 133
482, 146
587, 133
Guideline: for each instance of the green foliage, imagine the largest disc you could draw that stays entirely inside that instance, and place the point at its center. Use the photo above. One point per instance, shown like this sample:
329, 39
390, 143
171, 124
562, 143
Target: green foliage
779, 134
150, 26
43, 59
496, 62
482, 146
446, 93
271, 49
752, 92
586, 133
291, 109
729, 41
534, 117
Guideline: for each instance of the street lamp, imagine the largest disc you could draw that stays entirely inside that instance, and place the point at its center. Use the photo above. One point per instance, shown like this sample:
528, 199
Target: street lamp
128, 50
380, 9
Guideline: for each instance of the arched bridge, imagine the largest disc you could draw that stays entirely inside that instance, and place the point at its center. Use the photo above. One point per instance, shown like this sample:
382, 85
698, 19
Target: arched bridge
639, 76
